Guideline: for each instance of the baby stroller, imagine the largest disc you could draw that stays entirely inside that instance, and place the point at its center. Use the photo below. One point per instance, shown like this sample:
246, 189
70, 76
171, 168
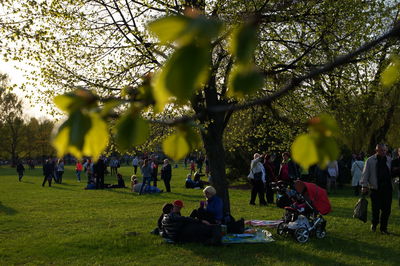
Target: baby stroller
303, 217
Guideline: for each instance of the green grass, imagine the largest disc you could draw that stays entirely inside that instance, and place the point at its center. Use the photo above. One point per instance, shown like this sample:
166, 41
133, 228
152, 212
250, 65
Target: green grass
66, 224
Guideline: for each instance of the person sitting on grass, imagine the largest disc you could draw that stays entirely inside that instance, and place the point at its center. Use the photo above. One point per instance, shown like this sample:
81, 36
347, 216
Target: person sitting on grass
137, 187
167, 208
190, 183
212, 209
186, 229
121, 182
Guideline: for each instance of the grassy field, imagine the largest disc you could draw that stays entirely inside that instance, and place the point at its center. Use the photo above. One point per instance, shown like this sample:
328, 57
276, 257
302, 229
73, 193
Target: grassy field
67, 225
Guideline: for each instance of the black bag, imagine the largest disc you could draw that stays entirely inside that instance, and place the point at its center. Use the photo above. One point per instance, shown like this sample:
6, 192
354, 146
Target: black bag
361, 209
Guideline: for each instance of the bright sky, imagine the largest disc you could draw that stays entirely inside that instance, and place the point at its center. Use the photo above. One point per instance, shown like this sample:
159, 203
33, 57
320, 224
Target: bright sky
18, 77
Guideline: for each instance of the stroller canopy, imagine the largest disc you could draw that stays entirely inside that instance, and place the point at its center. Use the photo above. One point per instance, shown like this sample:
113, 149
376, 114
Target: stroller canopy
318, 197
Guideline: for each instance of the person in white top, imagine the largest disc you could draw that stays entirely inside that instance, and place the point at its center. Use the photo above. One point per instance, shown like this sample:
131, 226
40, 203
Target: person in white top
333, 171
257, 179
135, 163
356, 172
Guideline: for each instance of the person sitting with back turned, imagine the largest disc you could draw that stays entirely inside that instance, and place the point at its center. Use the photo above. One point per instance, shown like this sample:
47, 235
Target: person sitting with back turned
186, 229
167, 208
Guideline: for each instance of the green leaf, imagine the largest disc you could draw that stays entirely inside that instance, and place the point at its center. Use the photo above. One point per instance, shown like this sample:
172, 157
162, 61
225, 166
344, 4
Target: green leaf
184, 72
244, 80
185, 30
109, 106
176, 146
323, 124
161, 94
96, 139
131, 130
169, 29
243, 42
71, 102
68, 102
304, 151
328, 151
60, 140
70, 136
392, 73
79, 124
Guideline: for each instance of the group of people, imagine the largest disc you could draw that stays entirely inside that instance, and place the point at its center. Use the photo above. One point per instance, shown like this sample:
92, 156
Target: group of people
53, 169
203, 225
196, 162
263, 174
149, 169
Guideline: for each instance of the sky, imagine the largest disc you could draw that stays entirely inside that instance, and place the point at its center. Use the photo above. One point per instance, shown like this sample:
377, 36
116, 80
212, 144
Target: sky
18, 77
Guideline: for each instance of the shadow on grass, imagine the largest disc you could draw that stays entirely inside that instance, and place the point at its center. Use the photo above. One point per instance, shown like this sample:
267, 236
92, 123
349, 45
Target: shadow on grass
258, 254
61, 188
28, 182
200, 195
353, 247
7, 210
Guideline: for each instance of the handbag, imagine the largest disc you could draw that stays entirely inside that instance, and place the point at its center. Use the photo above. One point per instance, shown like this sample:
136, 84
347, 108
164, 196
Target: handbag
361, 209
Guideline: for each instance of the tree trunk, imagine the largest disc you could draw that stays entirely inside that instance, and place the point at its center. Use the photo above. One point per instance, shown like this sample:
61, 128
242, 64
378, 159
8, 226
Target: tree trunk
215, 151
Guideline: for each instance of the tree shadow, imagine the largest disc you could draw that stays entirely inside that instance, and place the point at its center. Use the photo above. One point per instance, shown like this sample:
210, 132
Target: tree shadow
7, 210
353, 247
259, 254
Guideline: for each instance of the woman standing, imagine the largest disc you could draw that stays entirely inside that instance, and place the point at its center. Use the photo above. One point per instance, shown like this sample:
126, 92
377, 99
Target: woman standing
356, 172
166, 174
257, 179
146, 172
60, 170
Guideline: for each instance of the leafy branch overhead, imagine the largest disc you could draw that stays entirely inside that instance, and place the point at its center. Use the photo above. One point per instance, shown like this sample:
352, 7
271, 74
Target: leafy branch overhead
182, 77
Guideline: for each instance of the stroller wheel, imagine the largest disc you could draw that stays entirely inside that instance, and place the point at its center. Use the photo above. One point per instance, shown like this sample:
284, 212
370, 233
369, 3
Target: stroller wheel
301, 234
320, 233
281, 229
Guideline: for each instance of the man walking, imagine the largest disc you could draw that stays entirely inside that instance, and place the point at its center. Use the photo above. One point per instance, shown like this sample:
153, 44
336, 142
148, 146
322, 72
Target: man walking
376, 177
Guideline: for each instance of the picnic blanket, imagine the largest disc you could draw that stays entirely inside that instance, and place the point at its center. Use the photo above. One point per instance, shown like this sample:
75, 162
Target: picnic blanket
268, 223
263, 237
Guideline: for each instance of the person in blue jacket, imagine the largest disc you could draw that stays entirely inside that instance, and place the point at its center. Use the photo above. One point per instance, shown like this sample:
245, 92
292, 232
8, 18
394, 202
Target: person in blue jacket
212, 209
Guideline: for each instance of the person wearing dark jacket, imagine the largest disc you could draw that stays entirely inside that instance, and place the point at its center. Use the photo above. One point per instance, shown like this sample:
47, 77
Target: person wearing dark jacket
20, 170
166, 174
48, 172
376, 177
269, 169
185, 229
99, 169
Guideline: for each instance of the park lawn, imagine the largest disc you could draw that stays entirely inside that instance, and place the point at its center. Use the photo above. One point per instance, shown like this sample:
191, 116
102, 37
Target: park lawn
65, 224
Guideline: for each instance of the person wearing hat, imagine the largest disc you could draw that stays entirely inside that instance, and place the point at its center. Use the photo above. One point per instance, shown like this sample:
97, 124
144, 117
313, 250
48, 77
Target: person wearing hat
186, 229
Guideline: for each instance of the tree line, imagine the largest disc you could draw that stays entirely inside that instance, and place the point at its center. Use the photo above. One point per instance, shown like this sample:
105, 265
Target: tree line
21, 136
